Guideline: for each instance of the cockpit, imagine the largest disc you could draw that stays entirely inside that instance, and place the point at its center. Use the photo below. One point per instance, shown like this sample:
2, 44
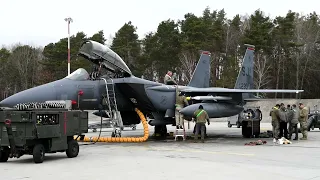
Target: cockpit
79, 75
83, 75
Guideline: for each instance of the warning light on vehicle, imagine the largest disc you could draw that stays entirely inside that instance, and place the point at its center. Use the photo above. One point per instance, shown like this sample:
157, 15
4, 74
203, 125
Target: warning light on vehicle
80, 93
7, 121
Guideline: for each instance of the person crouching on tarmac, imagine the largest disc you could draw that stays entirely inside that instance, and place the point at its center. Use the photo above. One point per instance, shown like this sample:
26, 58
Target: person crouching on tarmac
201, 116
293, 123
181, 101
274, 113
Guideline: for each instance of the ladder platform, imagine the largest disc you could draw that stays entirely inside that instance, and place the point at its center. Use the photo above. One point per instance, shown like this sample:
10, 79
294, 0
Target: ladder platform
180, 133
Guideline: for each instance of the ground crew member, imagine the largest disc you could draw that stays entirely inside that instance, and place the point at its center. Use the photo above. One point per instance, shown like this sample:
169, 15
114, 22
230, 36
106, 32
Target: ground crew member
283, 121
288, 107
293, 122
274, 113
201, 116
181, 102
168, 80
303, 116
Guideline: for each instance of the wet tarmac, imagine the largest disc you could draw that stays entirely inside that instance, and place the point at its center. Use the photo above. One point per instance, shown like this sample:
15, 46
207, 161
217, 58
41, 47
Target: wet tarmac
222, 156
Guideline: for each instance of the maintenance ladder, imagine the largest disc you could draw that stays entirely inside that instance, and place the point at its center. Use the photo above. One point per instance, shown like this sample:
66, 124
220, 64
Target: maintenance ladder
112, 111
180, 132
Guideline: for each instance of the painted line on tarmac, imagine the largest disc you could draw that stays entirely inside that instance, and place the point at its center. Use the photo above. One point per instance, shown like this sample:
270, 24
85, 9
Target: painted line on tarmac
191, 151
209, 152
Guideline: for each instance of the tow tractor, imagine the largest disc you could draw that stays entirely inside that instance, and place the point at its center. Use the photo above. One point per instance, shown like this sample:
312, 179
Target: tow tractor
249, 119
40, 128
313, 118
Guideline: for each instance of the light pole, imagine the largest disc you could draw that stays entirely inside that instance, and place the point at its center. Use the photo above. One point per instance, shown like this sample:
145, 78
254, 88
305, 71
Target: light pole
68, 20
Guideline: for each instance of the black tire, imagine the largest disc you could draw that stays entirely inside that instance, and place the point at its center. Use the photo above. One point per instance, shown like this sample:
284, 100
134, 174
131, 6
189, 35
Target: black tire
246, 132
38, 153
73, 149
4, 154
310, 123
229, 125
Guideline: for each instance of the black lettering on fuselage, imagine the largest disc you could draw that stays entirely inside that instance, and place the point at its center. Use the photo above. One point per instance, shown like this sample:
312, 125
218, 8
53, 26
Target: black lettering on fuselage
245, 71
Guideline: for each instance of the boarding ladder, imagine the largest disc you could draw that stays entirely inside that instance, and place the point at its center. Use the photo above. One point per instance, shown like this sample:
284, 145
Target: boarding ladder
112, 111
180, 132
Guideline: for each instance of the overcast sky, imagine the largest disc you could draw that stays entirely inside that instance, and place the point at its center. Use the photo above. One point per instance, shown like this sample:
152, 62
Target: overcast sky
39, 22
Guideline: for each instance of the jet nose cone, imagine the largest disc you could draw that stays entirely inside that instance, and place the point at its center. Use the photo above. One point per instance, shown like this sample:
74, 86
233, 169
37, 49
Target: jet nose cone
37, 94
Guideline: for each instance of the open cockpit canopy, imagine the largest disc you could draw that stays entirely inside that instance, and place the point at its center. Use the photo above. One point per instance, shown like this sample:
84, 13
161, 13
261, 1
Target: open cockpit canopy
99, 53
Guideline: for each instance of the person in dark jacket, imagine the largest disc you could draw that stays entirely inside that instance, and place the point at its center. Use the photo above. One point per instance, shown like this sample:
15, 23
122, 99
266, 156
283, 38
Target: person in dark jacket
293, 123
283, 121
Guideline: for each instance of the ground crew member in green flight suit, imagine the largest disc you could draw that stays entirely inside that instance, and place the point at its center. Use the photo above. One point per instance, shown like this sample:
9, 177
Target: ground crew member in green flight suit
303, 116
274, 113
181, 102
201, 117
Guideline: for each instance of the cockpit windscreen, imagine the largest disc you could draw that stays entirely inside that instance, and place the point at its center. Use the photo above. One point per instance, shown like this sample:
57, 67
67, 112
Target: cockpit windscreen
79, 75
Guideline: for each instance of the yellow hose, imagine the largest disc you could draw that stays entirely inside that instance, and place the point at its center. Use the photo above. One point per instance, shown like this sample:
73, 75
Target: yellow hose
123, 139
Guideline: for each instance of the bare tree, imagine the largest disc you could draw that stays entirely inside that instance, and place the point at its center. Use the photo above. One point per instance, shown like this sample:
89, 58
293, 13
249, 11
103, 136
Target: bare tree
298, 39
189, 62
310, 37
262, 70
25, 59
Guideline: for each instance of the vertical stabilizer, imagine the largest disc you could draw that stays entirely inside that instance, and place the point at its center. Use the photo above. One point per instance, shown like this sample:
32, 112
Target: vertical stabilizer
245, 76
201, 75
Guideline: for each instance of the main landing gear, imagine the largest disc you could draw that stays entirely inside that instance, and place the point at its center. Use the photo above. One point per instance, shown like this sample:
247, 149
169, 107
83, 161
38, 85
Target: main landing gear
160, 131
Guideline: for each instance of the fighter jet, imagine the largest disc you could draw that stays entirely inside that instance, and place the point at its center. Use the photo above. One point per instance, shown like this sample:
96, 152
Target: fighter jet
112, 87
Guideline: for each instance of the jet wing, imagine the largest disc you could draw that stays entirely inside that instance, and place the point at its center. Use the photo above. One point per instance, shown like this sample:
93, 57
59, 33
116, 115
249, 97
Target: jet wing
226, 90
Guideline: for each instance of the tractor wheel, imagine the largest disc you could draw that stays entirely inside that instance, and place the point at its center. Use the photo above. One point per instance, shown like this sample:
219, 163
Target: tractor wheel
38, 153
4, 155
310, 123
73, 149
